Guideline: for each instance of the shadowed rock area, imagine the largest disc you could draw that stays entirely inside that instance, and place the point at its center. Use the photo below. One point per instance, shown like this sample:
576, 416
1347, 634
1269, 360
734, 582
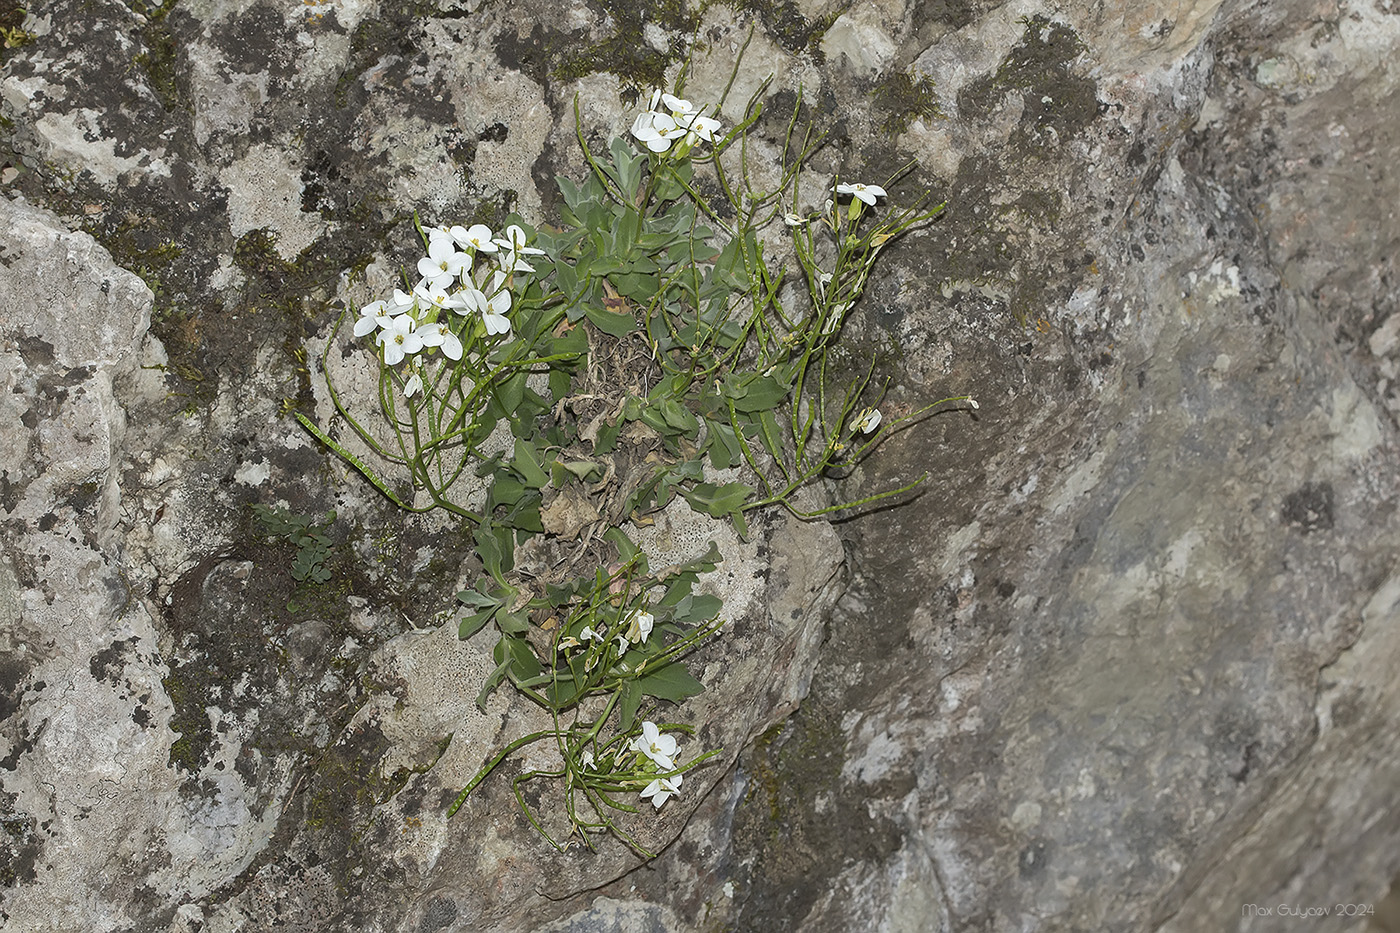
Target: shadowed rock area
1125, 663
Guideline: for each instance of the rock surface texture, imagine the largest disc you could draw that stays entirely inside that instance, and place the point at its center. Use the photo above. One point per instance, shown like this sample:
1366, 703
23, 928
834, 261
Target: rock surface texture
1127, 664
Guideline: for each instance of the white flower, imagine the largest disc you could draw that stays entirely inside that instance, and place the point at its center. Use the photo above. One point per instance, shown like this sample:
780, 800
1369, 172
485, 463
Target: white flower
434, 295
703, 127
438, 335
513, 247
794, 220
639, 626
380, 313
399, 340
514, 240
685, 115
657, 746
444, 232
493, 309
866, 193
661, 789
413, 386
511, 262
478, 237
678, 106
656, 130
443, 263
589, 635
587, 760
867, 421
370, 318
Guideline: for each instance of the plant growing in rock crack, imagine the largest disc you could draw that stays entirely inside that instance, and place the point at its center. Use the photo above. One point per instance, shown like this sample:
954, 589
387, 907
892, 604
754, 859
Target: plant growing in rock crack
589, 373
311, 538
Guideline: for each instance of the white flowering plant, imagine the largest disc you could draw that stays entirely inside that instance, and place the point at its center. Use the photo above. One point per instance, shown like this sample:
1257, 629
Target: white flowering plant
553, 386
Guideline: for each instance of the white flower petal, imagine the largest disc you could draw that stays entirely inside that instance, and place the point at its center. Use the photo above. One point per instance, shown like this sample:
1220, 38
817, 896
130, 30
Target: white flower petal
479, 236
661, 789
677, 104
496, 324
868, 420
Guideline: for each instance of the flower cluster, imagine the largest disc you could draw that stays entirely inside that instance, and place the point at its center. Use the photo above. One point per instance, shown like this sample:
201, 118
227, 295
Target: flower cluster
867, 421
638, 629
452, 277
669, 118
866, 194
662, 750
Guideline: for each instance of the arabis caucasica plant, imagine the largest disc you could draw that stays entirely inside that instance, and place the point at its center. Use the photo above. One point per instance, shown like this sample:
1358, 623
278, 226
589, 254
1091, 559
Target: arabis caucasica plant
551, 386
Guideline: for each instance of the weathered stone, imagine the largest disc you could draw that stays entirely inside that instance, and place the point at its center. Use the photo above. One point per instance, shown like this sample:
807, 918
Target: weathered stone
1126, 663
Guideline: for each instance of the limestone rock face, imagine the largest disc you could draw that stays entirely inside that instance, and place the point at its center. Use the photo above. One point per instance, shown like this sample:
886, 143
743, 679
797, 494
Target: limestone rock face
1125, 663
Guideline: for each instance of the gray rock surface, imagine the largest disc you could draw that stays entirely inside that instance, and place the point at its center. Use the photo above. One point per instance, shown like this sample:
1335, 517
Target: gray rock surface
1127, 663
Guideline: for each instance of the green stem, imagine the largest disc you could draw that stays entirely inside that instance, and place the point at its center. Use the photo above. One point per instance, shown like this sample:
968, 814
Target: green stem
490, 766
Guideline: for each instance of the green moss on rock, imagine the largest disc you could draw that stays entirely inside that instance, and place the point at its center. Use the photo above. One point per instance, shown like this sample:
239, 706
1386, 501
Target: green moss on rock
902, 100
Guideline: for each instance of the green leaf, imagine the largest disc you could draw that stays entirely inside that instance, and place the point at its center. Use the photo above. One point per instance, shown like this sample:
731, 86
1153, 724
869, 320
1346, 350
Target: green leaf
722, 444
654, 419
607, 436
610, 322
672, 682
718, 500
562, 472
770, 433
494, 679
496, 549
628, 165
677, 590
566, 278
573, 341
638, 286
626, 548
563, 691
557, 596
505, 490
701, 608
474, 623
607, 265
524, 516
756, 393
513, 623
473, 599
527, 463
561, 383
510, 392
678, 418
631, 699
570, 191
624, 234
516, 651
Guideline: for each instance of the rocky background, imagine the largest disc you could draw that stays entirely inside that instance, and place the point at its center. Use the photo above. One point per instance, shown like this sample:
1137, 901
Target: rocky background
1128, 663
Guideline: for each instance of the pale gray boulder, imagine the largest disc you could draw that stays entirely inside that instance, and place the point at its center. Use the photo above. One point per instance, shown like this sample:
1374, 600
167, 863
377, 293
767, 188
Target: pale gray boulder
1125, 664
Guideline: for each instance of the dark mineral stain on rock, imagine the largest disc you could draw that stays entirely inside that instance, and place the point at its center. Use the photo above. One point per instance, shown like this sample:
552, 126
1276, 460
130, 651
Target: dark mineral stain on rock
1309, 508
